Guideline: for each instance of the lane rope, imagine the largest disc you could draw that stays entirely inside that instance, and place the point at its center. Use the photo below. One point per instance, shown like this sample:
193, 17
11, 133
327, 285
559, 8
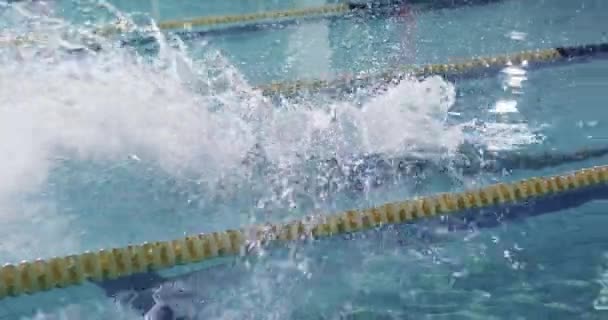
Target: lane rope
268, 17
122, 25
257, 17
325, 11
350, 82
321, 11
471, 66
29, 277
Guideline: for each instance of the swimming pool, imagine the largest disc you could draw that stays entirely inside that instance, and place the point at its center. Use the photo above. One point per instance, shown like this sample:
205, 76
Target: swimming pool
108, 149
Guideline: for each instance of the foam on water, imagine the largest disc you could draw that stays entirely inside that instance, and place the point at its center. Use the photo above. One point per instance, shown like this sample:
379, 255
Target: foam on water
190, 118
407, 118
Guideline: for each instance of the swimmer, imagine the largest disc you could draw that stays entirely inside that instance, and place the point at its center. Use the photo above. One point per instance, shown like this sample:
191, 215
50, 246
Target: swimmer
360, 173
180, 304
159, 298
172, 302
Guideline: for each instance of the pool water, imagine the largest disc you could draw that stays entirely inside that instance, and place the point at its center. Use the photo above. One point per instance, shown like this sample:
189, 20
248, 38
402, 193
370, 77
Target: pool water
145, 142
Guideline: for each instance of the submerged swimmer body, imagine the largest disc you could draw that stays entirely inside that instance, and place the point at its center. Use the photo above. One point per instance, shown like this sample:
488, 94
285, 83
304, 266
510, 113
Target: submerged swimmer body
156, 300
159, 298
356, 174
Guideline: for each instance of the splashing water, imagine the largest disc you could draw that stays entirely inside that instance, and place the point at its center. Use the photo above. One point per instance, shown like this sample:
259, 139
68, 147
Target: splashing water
189, 119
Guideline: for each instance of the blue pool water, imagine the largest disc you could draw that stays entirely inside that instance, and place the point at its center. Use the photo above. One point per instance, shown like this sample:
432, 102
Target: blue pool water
128, 145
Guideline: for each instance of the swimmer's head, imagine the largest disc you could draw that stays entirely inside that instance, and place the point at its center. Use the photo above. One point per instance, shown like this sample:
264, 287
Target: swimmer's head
160, 312
173, 301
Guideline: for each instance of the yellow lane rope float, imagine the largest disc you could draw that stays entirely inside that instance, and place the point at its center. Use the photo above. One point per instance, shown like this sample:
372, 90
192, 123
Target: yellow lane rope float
257, 17
321, 11
539, 56
123, 25
329, 10
349, 82
33, 276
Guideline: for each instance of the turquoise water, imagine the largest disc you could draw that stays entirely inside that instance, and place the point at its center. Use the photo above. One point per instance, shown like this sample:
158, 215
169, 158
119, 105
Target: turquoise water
110, 149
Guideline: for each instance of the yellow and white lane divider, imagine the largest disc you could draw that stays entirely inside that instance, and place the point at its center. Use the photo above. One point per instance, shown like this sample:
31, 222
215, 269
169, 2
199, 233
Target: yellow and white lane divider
43, 274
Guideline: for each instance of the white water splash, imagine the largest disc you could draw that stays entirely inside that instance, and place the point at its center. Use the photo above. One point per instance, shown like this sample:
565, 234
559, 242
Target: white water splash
195, 119
408, 118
